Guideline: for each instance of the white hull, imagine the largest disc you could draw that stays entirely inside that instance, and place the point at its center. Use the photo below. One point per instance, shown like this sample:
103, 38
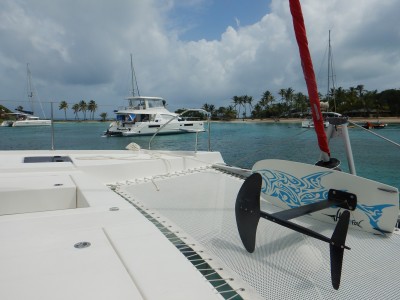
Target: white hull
310, 124
149, 128
26, 123
148, 115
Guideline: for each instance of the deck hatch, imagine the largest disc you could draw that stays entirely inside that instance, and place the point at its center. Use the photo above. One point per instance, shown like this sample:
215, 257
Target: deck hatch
41, 159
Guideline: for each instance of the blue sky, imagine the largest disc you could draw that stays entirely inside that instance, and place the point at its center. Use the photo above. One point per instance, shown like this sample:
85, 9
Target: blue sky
209, 19
190, 52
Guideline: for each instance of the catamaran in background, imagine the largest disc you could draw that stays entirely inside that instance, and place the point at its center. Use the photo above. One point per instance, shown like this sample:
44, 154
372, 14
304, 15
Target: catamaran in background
148, 224
23, 118
148, 115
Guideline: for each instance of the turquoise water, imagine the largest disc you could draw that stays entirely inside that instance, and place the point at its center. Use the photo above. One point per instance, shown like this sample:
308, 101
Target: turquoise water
241, 144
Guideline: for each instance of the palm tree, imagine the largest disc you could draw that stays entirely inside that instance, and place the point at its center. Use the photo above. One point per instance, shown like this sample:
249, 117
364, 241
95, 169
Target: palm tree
300, 102
75, 108
206, 107
289, 98
92, 107
340, 96
362, 98
103, 116
230, 112
83, 107
266, 99
236, 101
211, 108
360, 89
282, 93
248, 100
256, 113
63, 105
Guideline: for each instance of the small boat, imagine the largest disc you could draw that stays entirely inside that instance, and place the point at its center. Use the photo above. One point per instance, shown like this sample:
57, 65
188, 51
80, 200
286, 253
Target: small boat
309, 123
374, 125
148, 115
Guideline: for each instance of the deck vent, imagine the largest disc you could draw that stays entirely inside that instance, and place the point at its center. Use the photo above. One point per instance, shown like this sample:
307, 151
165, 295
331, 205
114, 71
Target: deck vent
42, 159
82, 245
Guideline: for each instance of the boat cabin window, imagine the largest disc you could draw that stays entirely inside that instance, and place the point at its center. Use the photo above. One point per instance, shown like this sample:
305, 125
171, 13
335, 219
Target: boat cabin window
145, 103
138, 103
126, 117
155, 103
144, 118
133, 118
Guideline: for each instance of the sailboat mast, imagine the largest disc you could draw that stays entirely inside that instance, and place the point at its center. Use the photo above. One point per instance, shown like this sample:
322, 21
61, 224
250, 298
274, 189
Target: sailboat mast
134, 81
329, 64
133, 85
30, 91
331, 74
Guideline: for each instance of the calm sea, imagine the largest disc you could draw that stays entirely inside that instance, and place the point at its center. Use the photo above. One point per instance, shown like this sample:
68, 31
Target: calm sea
241, 144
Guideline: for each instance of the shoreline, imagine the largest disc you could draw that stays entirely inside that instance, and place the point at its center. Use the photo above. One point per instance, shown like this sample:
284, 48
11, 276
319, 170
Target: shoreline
384, 120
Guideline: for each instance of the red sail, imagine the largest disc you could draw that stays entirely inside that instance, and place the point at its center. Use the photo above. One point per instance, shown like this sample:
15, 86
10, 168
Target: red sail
309, 76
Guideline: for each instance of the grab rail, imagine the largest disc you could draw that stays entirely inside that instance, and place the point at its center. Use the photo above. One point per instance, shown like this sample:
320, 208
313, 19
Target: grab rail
177, 116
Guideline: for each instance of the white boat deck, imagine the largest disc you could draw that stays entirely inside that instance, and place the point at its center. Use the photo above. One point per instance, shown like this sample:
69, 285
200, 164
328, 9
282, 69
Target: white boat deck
47, 208
165, 206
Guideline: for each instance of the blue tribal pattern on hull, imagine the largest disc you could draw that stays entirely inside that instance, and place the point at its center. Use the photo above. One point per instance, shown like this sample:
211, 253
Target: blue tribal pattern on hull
374, 213
292, 190
308, 189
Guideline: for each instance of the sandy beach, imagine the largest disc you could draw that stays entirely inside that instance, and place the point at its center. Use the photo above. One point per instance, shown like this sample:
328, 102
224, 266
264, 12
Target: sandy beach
385, 120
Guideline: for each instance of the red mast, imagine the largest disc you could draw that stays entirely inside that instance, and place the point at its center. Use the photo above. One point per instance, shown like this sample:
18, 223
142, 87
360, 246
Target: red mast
309, 76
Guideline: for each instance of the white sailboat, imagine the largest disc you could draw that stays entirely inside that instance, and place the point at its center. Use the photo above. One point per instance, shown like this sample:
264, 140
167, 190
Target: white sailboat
25, 118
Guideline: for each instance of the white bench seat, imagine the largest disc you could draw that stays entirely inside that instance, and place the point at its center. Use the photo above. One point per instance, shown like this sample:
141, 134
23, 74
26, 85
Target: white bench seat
24, 193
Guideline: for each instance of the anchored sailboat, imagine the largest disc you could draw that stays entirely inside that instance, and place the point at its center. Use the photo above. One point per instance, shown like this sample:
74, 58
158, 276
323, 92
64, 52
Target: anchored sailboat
24, 118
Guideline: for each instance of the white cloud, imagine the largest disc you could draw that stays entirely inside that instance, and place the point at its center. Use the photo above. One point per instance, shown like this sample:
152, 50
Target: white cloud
80, 50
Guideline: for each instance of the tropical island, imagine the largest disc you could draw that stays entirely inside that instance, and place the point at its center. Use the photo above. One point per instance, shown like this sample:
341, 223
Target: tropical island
352, 102
355, 102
